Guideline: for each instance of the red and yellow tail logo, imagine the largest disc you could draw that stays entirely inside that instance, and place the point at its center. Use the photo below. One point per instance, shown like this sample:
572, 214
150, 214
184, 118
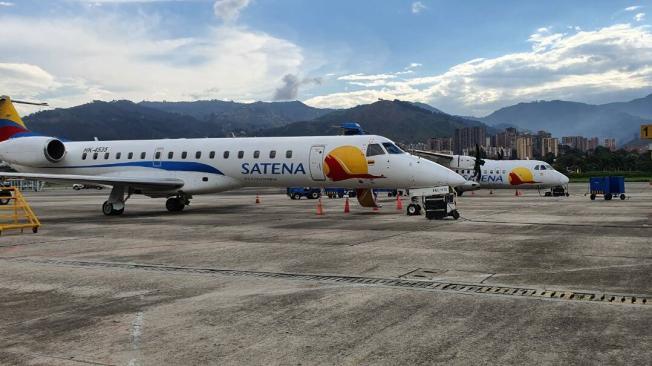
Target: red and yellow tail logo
347, 162
520, 176
10, 122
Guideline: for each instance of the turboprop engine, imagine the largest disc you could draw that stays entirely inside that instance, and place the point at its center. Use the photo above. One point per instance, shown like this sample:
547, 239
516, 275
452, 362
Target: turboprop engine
32, 150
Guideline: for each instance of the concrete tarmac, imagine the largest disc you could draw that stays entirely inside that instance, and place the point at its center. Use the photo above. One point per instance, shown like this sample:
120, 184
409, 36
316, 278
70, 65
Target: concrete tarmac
516, 280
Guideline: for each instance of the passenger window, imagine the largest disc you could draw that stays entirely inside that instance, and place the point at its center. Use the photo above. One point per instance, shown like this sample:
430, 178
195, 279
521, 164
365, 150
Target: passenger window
198, 155
118, 155
288, 154
272, 154
94, 156
491, 172
130, 155
226, 155
106, 156
157, 155
240, 154
143, 155
256, 154
184, 154
391, 148
375, 149
170, 155
84, 156
211, 155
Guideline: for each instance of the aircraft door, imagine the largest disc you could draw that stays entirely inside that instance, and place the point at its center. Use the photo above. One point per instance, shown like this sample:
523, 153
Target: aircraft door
158, 155
317, 163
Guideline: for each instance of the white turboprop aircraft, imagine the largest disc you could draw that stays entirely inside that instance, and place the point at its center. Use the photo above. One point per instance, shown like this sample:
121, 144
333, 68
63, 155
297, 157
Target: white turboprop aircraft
177, 169
499, 174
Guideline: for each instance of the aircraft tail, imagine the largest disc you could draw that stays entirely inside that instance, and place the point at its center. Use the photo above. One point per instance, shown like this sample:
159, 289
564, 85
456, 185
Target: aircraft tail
11, 125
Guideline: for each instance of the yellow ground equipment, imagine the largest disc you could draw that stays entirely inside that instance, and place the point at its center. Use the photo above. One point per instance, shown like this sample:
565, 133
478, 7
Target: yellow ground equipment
15, 212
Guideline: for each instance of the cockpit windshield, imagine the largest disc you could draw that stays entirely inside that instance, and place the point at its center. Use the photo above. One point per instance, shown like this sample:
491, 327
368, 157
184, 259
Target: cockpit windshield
392, 149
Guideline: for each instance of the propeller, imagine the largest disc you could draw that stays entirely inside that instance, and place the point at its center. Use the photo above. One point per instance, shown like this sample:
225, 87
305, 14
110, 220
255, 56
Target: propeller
479, 162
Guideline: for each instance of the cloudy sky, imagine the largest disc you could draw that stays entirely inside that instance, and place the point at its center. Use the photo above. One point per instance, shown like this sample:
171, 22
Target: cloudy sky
464, 57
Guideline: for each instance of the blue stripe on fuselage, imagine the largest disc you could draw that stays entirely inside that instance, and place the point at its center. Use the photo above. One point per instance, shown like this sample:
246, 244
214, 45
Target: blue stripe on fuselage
179, 166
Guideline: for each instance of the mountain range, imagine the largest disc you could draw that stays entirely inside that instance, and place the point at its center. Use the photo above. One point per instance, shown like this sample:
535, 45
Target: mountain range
620, 120
402, 121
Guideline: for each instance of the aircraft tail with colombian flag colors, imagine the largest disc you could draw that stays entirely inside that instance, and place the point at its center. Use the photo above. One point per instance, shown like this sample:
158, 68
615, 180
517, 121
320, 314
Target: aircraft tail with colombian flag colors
11, 125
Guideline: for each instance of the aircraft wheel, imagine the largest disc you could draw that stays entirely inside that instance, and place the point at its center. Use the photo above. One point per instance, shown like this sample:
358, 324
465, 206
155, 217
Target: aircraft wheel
174, 204
413, 209
108, 210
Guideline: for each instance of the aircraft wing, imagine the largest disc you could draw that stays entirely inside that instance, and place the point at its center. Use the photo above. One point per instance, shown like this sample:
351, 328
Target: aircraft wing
160, 184
433, 154
443, 159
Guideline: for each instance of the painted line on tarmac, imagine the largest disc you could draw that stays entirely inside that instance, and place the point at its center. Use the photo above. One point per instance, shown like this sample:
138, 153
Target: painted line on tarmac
564, 295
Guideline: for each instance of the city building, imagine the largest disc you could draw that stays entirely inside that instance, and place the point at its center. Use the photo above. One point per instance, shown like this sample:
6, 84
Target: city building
610, 143
524, 147
576, 142
468, 137
593, 143
506, 139
537, 143
549, 145
441, 144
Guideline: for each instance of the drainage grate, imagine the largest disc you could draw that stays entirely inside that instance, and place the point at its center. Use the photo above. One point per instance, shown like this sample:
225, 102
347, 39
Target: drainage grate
479, 289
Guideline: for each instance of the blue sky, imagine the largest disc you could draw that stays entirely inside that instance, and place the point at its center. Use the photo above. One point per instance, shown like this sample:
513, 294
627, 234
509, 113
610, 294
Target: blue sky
465, 57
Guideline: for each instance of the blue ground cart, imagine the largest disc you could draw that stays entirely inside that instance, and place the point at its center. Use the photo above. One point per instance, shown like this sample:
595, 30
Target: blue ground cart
608, 187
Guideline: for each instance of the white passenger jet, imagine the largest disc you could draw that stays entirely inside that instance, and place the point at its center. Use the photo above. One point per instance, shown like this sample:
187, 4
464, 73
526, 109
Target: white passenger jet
177, 169
499, 174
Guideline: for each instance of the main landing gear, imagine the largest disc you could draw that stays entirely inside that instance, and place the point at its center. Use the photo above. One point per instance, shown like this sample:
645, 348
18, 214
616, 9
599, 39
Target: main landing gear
177, 204
115, 205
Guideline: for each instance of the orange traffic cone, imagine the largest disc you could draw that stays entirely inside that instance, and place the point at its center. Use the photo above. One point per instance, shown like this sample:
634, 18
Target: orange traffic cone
346, 206
257, 198
320, 208
399, 203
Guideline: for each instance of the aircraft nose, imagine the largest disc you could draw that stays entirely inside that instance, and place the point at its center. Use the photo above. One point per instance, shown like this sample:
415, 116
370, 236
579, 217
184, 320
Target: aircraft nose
563, 179
455, 180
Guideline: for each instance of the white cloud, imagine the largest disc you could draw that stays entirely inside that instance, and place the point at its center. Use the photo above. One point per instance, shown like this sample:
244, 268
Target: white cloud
417, 7
229, 10
120, 58
639, 17
632, 8
6, 3
585, 66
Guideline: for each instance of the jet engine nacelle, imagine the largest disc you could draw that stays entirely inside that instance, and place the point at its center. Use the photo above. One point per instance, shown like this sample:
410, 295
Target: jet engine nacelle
32, 151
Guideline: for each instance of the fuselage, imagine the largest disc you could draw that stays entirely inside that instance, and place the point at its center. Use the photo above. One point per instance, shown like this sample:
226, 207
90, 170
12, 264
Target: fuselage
501, 174
219, 164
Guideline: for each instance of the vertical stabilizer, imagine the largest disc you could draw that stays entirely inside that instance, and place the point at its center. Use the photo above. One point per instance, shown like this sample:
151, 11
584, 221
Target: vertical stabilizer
11, 125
